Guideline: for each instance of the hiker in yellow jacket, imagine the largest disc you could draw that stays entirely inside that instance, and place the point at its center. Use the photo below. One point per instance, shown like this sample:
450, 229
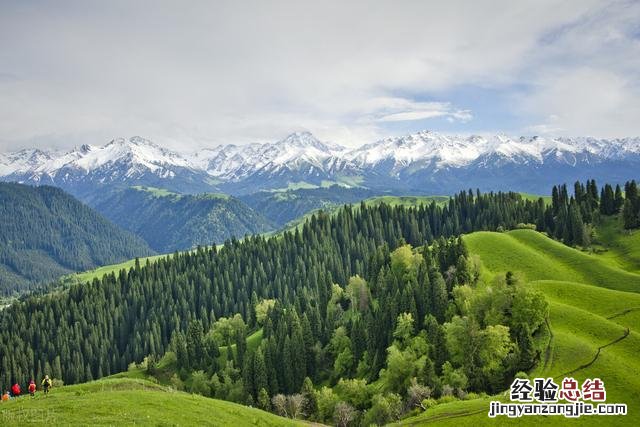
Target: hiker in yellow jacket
46, 384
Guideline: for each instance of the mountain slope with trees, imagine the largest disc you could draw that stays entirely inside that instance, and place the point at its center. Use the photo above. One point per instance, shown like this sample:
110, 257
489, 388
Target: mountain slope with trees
586, 311
382, 305
45, 233
281, 207
168, 221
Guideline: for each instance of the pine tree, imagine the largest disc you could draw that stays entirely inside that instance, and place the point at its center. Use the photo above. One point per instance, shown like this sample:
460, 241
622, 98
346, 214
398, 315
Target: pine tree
286, 366
619, 199
195, 345
259, 372
311, 403
629, 218
264, 402
241, 345
248, 376
631, 207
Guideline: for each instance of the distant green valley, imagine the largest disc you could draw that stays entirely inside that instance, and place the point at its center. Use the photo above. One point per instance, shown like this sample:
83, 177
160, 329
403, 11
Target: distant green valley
396, 309
169, 221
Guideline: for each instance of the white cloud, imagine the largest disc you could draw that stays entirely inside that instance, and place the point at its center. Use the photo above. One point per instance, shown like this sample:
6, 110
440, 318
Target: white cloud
591, 83
402, 110
217, 72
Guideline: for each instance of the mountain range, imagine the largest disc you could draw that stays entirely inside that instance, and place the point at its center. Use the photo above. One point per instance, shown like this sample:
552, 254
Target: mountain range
424, 162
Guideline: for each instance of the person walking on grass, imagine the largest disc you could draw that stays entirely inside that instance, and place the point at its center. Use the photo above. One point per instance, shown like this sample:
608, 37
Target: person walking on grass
32, 388
15, 390
46, 384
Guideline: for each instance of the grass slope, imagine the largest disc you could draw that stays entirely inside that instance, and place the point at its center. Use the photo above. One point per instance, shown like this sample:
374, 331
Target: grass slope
87, 276
283, 207
538, 257
125, 401
407, 201
253, 341
619, 245
594, 304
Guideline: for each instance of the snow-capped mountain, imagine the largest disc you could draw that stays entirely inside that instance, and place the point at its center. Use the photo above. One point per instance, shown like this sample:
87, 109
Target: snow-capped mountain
434, 163
298, 151
23, 161
121, 162
425, 162
444, 151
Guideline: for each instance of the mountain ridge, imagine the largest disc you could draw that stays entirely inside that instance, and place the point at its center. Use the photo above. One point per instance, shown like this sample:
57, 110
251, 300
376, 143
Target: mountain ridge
406, 162
45, 233
170, 221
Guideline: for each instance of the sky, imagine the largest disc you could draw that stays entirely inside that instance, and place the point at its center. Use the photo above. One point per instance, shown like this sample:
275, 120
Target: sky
194, 74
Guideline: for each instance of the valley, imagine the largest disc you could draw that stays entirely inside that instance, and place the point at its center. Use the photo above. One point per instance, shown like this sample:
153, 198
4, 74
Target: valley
170, 221
591, 296
46, 233
346, 214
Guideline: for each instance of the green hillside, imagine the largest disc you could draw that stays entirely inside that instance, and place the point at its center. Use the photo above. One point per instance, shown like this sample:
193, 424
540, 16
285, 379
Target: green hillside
361, 309
169, 221
406, 200
45, 233
281, 207
617, 244
263, 203
534, 197
126, 402
89, 275
593, 304
538, 257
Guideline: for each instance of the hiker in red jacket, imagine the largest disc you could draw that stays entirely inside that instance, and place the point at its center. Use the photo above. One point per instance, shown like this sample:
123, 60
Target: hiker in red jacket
15, 390
32, 388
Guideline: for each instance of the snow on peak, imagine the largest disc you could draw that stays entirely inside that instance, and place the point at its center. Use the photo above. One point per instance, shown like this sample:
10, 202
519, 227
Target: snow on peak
136, 151
304, 153
23, 161
457, 151
424, 146
299, 150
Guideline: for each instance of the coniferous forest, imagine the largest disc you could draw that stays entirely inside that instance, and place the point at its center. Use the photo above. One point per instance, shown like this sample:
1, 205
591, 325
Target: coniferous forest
45, 233
303, 321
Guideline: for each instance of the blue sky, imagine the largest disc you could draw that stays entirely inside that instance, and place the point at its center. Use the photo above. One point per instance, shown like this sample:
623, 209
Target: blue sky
74, 72
490, 108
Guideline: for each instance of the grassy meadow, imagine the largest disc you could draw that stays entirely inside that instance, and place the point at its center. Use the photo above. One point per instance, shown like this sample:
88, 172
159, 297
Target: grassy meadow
126, 401
594, 304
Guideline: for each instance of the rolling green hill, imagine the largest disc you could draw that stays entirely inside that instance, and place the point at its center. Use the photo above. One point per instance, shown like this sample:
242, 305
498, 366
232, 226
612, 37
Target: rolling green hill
619, 245
281, 207
284, 196
125, 401
170, 221
538, 257
406, 200
89, 275
45, 233
594, 319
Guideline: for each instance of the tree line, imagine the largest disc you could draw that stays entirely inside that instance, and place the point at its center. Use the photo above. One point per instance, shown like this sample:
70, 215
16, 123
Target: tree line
330, 279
